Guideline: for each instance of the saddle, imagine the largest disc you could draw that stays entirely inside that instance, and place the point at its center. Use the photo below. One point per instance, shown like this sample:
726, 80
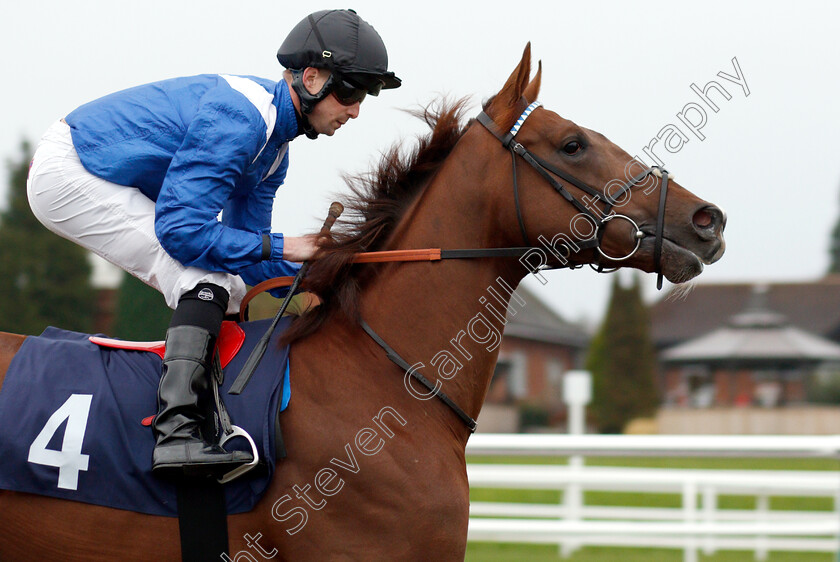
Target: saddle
76, 426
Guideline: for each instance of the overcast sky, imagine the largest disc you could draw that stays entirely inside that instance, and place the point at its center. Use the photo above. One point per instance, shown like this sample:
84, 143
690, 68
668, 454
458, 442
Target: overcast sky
771, 159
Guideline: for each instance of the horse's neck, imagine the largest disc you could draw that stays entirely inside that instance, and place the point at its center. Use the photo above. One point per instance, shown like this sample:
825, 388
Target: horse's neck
437, 312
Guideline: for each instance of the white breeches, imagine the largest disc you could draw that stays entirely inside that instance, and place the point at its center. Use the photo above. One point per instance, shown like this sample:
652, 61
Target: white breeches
114, 221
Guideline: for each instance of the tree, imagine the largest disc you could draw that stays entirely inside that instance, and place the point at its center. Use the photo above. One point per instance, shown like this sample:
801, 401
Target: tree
141, 312
622, 361
834, 250
44, 279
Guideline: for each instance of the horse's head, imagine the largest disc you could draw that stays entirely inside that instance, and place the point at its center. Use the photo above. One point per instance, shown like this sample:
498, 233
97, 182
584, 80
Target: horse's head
519, 181
579, 198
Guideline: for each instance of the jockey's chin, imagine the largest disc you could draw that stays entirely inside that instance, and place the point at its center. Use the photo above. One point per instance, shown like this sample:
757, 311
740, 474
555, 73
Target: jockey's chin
329, 115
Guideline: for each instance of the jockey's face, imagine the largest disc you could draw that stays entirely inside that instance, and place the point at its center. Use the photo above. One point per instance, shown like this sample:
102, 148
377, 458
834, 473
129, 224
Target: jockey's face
329, 114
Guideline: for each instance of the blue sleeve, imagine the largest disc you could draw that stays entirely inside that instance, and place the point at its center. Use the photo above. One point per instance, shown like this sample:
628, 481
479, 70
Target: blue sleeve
259, 272
220, 142
254, 212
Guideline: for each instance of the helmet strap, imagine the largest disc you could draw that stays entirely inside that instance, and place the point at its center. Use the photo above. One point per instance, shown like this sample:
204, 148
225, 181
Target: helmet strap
308, 102
304, 127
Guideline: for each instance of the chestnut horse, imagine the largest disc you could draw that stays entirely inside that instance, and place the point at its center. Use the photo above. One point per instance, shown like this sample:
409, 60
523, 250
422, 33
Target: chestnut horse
376, 468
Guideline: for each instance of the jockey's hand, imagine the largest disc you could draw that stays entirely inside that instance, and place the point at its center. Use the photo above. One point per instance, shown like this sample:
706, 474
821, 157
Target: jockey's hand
300, 248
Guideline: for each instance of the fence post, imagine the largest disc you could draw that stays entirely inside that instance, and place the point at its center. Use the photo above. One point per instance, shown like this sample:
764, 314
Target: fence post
689, 501
762, 506
577, 392
573, 502
709, 517
837, 516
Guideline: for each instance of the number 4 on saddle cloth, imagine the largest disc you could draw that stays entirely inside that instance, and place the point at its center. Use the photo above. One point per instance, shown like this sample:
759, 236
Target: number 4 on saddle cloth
72, 419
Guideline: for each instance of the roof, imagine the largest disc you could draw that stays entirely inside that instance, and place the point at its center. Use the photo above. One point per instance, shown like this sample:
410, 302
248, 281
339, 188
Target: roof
755, 335
737, 346
537, 322
810, 306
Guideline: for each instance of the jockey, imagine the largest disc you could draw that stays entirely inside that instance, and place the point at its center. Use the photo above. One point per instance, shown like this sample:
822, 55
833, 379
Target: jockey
141, 176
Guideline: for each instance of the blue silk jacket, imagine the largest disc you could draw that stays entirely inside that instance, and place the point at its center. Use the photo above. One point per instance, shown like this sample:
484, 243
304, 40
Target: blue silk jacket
199, 146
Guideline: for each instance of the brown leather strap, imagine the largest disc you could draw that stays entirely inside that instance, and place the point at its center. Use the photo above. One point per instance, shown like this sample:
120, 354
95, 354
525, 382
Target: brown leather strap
267, 285
425, 254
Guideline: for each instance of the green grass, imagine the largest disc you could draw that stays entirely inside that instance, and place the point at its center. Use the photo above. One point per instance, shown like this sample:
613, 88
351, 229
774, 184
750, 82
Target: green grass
492, 552
639, 499
487, 552
668, 462
660, 500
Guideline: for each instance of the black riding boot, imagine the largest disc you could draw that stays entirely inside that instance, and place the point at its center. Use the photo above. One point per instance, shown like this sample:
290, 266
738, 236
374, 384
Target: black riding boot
184, 394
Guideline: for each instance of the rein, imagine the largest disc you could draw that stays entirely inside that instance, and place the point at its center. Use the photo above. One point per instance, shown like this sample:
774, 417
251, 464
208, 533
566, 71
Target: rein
424, 254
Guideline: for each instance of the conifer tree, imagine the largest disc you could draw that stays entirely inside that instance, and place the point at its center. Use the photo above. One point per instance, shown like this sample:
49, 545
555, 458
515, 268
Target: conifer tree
834, 249
44, 279
141, 313
622, 361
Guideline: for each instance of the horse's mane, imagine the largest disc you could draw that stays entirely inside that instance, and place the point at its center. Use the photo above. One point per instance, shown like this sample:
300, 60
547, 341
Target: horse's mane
378, 200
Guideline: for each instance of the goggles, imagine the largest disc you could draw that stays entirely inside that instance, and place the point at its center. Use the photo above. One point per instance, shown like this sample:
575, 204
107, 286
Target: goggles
348, 92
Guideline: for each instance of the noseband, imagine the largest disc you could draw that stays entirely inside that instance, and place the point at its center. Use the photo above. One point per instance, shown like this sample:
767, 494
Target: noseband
549, 171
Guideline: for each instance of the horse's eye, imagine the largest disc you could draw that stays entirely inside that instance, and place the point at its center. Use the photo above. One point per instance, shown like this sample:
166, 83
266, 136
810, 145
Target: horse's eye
572, 147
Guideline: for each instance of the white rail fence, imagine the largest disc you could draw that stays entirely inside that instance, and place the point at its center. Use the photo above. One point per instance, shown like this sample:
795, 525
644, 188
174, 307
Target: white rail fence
693, 528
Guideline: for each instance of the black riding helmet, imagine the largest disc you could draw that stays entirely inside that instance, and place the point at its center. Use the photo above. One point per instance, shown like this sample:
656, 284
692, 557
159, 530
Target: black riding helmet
345, 44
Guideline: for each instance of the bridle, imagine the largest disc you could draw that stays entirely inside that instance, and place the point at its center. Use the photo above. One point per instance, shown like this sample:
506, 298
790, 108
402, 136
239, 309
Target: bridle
549, 171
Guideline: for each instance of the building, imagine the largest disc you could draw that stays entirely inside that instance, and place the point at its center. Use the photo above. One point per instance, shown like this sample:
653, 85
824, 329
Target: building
750, 358
812, 306
756, 358
538, 347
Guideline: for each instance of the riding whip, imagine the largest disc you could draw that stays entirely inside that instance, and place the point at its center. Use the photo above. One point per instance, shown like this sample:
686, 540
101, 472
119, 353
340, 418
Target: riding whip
257, 354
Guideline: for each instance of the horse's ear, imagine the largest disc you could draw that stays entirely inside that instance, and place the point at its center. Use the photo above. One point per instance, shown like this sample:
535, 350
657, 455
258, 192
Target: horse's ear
532, 91
505, 103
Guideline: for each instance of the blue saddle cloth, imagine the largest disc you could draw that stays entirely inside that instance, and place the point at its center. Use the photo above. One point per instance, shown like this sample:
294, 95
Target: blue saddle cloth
71, 412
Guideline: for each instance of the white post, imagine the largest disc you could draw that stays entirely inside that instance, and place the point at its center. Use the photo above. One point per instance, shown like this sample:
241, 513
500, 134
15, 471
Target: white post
689, 501
709, 516
836, 515
577, 392
762, 506
573, 501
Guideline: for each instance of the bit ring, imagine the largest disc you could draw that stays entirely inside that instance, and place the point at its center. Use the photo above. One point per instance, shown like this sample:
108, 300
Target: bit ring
639, 235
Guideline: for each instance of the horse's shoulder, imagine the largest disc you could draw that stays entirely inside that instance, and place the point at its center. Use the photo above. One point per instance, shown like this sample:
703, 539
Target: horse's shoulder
9, 345
9, 341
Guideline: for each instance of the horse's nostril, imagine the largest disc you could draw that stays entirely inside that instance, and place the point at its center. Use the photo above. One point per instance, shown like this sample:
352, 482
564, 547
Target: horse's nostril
703, 219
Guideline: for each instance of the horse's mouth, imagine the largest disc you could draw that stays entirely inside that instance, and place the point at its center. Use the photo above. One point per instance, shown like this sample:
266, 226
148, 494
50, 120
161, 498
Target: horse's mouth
678, 263
681, 264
